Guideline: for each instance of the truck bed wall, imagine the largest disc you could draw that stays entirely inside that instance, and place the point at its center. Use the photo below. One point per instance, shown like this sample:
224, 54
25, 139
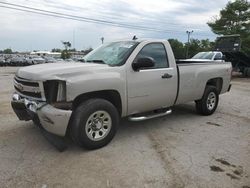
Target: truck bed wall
193, 78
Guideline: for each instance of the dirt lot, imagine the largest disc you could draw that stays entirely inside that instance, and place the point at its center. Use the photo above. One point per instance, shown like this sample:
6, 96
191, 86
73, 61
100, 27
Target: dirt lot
180, 150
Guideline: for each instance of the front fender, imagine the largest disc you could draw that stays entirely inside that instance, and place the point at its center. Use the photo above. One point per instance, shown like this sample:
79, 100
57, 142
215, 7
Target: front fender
108, 80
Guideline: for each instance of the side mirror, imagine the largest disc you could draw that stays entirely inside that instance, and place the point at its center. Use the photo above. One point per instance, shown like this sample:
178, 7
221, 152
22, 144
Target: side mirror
144, 62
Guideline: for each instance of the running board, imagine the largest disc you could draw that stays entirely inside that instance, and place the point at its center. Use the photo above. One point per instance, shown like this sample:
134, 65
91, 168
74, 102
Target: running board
146, 117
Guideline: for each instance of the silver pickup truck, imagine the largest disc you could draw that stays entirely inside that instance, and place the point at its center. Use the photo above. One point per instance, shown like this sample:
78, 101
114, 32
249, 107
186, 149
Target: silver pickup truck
135, 79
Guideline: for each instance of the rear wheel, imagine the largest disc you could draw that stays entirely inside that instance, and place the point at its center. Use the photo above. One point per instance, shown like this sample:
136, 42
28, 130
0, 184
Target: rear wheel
209, 102
94, 123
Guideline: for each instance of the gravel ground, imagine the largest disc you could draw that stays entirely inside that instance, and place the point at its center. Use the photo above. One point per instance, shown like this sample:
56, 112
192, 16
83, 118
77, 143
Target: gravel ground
180, 150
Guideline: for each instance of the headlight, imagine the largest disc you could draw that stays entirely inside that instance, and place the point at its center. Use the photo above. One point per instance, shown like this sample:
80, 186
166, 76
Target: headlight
61, 92
55, 91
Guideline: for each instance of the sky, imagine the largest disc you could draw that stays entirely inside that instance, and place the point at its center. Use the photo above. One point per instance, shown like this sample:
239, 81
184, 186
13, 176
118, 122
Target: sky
161, 19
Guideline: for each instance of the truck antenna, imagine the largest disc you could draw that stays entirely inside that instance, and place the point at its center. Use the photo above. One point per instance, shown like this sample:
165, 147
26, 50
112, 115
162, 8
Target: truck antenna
134, 37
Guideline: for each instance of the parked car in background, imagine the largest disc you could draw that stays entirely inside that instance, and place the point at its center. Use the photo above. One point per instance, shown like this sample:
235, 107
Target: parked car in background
38, 60
7, 61
18, 61
29, 60
208, 56
59, 60
78, 59
49, 59
33, 60
2, 61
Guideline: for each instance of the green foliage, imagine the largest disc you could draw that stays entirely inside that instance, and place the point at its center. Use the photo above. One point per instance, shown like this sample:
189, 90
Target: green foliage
178, 48
195, 46
66, 53
56, 50
234, 19
206, 45
7, 51
72, 50
66, 44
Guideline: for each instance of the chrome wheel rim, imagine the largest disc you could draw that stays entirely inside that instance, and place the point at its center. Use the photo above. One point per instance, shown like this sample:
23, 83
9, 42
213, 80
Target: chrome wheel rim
211, 101
98, 125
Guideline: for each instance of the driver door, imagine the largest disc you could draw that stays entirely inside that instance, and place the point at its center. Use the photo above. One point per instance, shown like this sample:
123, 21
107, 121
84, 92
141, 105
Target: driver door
155, 87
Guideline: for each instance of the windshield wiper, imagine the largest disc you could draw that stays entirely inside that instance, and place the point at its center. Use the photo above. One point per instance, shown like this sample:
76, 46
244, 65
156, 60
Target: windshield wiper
96, 61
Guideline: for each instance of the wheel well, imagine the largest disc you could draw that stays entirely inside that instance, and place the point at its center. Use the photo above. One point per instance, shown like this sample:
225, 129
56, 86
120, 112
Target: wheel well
110, 95
217, 82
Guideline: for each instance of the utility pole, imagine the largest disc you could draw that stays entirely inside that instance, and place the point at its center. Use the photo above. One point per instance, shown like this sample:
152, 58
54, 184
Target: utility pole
102, 39
188, 33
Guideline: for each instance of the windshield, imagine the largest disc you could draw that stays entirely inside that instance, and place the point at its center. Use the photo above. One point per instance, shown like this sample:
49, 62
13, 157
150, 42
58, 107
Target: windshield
114, 54
204, 55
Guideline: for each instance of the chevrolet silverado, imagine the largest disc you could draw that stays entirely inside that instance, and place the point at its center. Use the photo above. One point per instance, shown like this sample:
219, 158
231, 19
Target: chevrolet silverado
135, 79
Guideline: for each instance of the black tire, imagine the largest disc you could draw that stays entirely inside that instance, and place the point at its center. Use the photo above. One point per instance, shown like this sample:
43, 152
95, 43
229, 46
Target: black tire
202, 106
78, 126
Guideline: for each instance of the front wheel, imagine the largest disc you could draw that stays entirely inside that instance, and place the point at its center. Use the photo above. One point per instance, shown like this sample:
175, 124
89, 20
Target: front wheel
94, 123
209, 102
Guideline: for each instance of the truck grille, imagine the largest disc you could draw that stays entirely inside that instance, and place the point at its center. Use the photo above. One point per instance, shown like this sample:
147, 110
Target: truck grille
27, 88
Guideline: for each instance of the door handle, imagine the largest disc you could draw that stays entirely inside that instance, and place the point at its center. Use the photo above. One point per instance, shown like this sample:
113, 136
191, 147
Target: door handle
166, 75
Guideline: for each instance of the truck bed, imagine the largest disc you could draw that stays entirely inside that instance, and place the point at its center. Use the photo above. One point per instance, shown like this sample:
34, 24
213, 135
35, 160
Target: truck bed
193, 76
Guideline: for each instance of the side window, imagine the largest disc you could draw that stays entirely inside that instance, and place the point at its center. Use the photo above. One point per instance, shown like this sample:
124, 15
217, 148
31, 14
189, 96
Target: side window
218, 56
157, 52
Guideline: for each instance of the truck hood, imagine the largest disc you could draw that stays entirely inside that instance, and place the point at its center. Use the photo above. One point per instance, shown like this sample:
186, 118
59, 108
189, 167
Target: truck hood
58, 71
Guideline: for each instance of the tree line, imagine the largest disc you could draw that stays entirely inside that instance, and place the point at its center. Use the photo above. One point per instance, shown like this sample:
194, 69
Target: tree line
194, 46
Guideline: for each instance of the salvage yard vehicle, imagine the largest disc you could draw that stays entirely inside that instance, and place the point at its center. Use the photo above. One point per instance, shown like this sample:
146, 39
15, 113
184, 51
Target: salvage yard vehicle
135, 79
230, 46
38, 60
2, 61
17, 61
49, 59
208, 56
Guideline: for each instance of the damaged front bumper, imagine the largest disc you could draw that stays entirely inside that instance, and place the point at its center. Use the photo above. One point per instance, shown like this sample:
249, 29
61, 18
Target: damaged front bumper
53, 120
